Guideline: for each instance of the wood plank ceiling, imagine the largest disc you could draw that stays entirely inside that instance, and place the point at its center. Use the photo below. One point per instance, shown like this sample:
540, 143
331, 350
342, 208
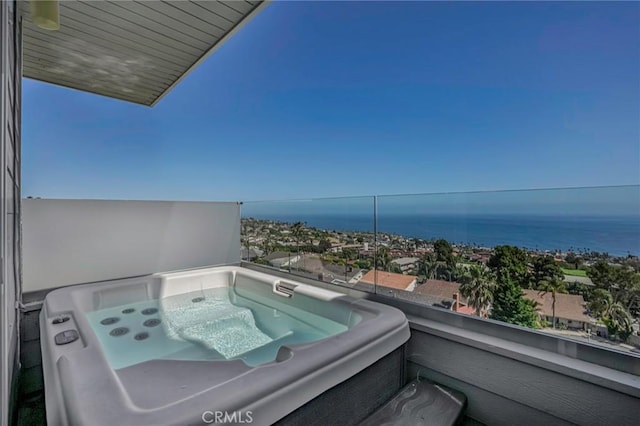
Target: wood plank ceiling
130, 50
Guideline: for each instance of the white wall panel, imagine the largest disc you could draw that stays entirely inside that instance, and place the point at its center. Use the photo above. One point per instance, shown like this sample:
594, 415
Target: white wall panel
77, 241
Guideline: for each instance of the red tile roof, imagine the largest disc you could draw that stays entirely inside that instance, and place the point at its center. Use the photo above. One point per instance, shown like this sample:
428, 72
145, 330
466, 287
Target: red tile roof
466, 310
389, 279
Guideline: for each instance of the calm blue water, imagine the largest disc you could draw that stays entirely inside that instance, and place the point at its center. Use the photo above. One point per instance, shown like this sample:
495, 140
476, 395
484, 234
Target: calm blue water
616, 235
213, 324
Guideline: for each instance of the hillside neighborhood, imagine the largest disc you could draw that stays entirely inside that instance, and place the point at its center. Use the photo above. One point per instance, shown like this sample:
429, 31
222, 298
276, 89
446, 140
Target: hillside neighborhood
585, 295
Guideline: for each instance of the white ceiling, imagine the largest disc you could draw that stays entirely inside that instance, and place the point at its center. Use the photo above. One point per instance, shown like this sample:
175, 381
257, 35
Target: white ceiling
130, 50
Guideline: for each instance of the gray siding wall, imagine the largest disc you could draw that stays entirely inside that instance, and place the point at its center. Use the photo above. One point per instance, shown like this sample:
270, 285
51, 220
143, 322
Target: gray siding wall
505, 390
78, 241
10, 101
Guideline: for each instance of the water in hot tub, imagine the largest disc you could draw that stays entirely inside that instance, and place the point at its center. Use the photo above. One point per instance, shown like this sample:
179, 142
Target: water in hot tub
213, 324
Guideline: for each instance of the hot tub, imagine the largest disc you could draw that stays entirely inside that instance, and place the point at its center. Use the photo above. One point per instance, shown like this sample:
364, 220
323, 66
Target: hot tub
214, 345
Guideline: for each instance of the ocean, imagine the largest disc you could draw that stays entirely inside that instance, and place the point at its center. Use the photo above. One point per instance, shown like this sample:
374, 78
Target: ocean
616, 235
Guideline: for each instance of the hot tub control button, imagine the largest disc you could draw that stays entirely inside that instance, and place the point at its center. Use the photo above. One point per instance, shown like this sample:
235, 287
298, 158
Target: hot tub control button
66, 337
60, 320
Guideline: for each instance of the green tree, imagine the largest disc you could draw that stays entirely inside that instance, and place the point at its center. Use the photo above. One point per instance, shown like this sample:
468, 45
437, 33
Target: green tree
553, 286
425, 267
509, 305
574, 260
444, 253
545, 268
430, 265
612, 313
261, 261
364, 264
434, 268
627, 289
349, 254
324, 245
460, 272
579, 289
383, 259
618, 320
621, 281
478, 287
600, 300
395, 268
512, 262
602, 274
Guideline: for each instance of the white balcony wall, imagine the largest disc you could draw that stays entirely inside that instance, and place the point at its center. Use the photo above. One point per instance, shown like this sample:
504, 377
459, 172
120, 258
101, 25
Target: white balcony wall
68, 242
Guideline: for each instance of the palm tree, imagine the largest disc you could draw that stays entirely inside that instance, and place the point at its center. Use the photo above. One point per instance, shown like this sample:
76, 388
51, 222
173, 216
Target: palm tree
600, 300
478, 287
553, 286
460, 271
618, 320
545, 268
429, 264
383, 259
440, 264
613, 313
443, 271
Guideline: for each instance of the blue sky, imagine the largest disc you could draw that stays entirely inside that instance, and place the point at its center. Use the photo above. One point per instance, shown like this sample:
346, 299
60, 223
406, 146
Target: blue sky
353, 98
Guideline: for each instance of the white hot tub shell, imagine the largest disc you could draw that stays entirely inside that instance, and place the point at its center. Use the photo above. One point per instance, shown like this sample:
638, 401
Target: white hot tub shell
87, 384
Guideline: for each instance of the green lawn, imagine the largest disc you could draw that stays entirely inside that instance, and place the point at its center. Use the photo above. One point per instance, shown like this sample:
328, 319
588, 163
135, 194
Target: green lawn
574, 272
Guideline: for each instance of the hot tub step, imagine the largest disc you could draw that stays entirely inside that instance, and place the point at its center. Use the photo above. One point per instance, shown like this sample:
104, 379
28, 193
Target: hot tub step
420, 403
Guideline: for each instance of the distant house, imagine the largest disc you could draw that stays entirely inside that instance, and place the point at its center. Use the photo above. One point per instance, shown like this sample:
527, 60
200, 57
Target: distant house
281, 259
406, 263
389, 279
278, 255
338, 247
576, 279
444, 294
570, 309
440, 289
480, 257
340, 272
335, 248
250, 254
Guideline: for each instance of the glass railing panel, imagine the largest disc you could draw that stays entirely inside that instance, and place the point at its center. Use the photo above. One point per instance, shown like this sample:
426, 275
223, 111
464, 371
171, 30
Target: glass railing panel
504, 255
329, 239
509, 255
